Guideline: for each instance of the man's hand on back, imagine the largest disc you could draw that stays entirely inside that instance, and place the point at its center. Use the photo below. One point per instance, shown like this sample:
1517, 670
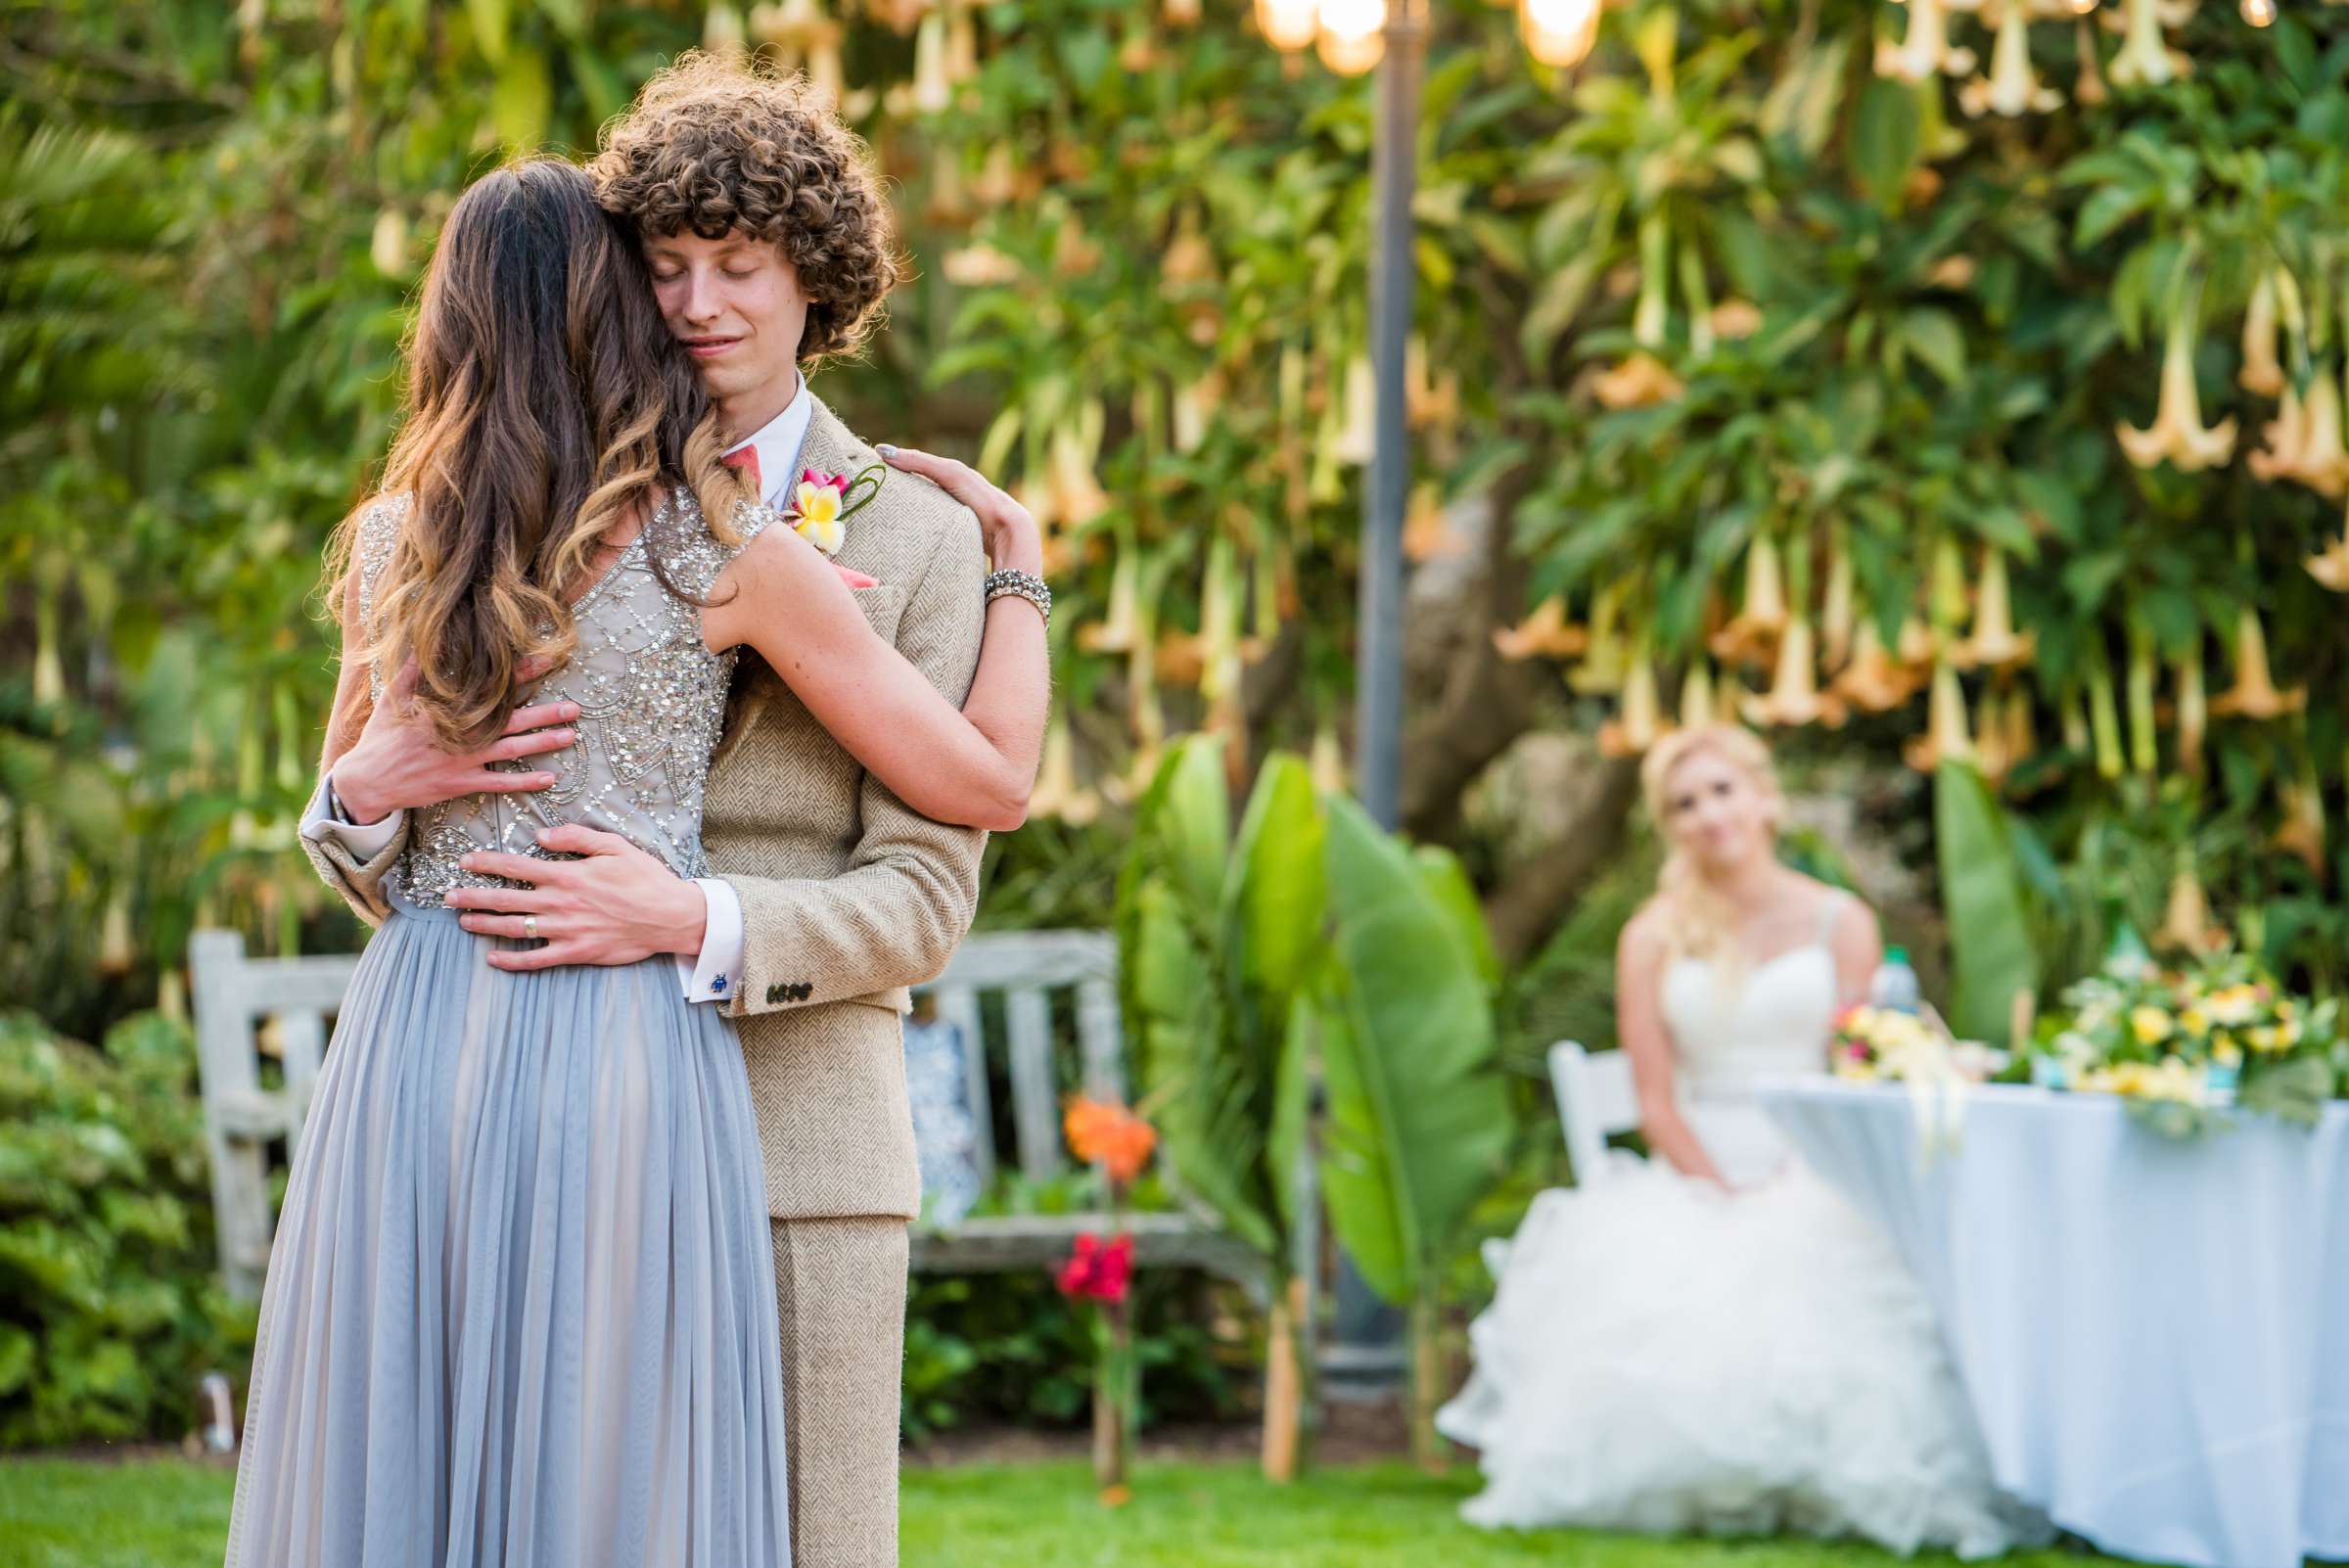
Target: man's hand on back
613, 905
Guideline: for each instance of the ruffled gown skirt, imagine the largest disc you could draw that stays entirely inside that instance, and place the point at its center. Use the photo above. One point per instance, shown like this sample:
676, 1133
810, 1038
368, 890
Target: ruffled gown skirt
1665, 1357
521, 1308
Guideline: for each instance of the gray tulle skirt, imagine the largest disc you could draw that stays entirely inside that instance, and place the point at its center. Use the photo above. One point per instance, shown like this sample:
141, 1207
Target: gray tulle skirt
521, 1309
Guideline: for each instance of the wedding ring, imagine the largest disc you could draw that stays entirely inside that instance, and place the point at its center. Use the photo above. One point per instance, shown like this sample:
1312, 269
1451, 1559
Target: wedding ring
530, 927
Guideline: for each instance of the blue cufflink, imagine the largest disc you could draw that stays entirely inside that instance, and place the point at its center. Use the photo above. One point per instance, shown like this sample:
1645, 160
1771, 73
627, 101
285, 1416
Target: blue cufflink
718, 984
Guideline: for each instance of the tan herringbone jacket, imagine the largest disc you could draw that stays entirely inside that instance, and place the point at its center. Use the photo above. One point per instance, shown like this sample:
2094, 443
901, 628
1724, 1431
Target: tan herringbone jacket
848, 896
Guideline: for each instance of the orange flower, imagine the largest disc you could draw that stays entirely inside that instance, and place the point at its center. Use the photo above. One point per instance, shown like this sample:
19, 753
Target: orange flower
1106, 1133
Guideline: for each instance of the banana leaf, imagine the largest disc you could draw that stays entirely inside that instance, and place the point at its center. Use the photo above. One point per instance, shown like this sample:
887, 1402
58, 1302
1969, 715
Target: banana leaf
1990, 952
1418, 1119
1215, 939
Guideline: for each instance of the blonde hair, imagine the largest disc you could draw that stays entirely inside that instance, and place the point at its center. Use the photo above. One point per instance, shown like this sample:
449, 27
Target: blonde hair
1697, 921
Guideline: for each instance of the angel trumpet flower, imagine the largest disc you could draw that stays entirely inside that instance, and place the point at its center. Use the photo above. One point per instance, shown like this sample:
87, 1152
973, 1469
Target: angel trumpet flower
1925, 49
2177, 432
1946, 738
2254, 694
2303, 830
1763, 616
2323, 461
1991, 752
2330, 566
1874, 681
2144, 59
2011, 88
2104, 722
1915, 645
1056, 792
1837, 617
1119, 630
1543, 634
1699, 704
2262, 372
1995, 643
2194, 707
2022, 734
1606, 656
1946, 598
1643, 379
2185, 923
1638, 382
1077, 495
2089, 89
1794, 697
1355, 441
932, 89
1641, 723
2287, 436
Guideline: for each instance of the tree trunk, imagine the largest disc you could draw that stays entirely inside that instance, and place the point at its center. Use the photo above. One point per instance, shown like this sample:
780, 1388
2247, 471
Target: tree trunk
1523, 910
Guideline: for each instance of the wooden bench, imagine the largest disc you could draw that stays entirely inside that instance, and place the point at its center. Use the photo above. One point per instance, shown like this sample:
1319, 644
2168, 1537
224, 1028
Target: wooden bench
247, 1008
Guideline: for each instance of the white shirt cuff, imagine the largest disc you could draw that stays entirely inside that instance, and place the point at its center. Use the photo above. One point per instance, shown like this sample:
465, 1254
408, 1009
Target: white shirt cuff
323, 820
714, 974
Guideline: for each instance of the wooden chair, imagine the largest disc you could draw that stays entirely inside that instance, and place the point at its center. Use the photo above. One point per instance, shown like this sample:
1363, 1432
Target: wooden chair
247, 1008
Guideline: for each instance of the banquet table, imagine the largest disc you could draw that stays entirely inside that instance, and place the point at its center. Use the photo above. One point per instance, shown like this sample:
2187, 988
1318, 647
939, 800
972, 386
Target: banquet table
2154, 1333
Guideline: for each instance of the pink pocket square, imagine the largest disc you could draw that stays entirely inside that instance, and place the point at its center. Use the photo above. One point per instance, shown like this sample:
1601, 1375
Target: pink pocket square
853, 578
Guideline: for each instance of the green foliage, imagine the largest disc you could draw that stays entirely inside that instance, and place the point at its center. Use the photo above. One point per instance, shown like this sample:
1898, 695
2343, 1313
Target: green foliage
1419, 1121
1982, 894
109, 1307
1220, 939
1010, 1349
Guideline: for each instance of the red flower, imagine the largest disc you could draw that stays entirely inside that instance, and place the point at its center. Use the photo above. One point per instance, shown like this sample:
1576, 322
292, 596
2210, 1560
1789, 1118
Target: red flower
1097, 1271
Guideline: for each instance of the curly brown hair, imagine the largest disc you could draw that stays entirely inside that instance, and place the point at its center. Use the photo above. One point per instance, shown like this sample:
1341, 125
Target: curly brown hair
717, 144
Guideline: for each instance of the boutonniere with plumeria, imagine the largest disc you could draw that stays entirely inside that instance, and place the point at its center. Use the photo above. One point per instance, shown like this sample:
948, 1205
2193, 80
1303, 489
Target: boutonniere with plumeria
822, 503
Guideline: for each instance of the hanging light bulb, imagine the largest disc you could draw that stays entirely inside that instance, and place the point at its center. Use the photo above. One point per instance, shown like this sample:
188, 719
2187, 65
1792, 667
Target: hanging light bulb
2082, 8
1352, 35
1287, 23
1558, 33
2259, 12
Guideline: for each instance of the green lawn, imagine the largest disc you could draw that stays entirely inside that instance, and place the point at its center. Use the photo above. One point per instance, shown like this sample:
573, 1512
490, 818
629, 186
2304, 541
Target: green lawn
169, 1515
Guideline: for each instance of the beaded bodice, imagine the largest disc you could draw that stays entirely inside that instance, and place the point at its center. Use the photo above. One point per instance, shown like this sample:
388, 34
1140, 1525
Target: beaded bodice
652, 700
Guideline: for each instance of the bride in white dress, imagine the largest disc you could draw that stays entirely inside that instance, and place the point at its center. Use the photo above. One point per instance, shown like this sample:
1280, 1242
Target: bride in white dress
1712, 1341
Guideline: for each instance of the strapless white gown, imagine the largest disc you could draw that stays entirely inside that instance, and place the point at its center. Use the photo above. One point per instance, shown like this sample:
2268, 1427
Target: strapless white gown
1663, 1357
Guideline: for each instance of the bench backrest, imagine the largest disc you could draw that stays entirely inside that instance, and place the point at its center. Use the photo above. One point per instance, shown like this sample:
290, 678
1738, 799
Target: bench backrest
1031, 968
247, 1008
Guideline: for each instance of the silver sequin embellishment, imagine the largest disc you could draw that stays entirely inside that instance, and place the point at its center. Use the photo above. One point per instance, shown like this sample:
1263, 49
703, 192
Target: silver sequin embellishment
652, 700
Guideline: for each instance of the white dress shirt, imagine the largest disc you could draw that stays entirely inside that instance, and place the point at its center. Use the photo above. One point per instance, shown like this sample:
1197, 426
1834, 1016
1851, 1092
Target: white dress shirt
715, 972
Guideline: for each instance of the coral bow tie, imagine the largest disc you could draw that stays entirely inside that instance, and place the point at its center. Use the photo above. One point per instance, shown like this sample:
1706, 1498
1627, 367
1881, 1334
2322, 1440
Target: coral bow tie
747, 459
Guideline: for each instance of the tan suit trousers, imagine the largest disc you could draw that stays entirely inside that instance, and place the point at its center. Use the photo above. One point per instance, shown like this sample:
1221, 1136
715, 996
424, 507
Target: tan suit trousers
839, 1289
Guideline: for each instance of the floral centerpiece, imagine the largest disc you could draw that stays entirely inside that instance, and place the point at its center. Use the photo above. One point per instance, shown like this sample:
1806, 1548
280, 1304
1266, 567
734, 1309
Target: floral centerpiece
2182, 1046
1875, 1044
1100, 1270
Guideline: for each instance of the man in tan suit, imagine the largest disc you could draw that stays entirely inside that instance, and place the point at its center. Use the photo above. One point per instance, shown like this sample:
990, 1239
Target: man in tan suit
768, 245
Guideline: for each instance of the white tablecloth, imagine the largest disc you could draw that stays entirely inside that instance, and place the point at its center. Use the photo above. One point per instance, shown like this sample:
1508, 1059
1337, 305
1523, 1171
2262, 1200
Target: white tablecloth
2156, 1334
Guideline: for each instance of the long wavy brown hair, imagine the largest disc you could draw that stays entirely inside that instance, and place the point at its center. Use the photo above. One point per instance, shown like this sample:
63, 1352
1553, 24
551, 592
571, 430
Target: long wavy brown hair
548, 414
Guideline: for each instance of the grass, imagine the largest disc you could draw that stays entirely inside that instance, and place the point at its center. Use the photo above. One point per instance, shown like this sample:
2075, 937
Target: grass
170, 1513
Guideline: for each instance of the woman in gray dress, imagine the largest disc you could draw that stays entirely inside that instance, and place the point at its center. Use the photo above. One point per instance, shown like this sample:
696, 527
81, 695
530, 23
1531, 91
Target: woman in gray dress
520, 1309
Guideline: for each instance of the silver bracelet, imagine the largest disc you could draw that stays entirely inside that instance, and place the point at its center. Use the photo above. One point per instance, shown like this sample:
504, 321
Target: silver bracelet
1026, 585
